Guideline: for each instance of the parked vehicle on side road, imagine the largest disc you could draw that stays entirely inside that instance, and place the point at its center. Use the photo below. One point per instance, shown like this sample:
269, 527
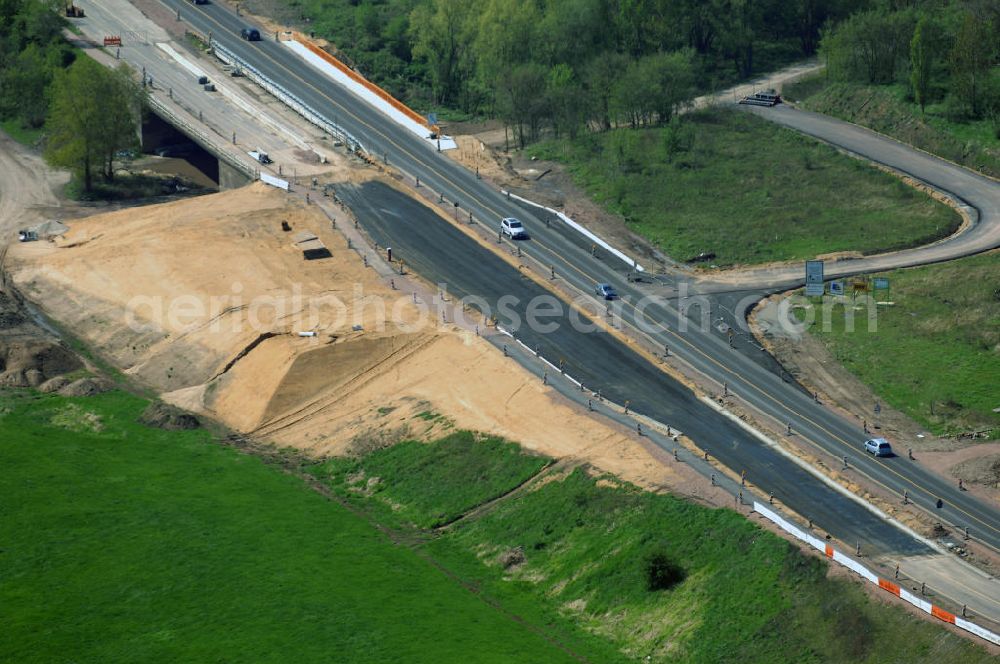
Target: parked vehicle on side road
513, 228
250, 34
762, 98
607, 291
880, 447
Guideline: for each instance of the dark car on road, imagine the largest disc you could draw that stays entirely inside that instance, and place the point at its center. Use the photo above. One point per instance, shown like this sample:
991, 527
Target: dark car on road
250, 34
607, 291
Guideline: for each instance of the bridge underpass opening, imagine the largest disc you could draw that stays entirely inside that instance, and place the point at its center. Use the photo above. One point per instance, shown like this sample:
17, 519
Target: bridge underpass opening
159, 138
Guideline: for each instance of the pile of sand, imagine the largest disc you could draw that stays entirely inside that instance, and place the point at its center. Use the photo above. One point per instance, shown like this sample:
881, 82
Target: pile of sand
206, 300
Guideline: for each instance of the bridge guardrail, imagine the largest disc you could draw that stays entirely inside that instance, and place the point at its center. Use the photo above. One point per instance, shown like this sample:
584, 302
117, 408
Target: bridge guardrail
290, 100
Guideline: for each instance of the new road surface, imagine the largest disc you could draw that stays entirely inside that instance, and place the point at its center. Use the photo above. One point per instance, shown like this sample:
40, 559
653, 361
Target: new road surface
438, 251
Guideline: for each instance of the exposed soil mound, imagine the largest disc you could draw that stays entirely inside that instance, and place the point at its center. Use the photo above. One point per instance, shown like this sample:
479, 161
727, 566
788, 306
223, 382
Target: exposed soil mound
212, 304
983, 470
54, 384
86, 387
27, 362
165, 416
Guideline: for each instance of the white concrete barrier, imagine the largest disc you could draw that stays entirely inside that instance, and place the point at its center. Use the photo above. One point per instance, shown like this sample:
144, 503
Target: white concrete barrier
274, 182
628, 260
864, 572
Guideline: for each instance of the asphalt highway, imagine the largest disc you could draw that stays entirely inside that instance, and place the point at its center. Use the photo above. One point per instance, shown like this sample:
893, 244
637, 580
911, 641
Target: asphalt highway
438, 251
660, 308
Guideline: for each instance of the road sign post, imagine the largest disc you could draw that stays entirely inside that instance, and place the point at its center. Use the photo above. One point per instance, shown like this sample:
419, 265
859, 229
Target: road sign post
814, 279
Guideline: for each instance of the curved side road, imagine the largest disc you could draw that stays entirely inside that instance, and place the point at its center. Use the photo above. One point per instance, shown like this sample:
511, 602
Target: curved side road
980, 195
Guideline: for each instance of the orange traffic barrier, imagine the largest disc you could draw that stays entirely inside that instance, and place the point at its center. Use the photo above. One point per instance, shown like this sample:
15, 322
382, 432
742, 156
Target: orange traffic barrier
355, 76
888, 585
942, 614
113, 41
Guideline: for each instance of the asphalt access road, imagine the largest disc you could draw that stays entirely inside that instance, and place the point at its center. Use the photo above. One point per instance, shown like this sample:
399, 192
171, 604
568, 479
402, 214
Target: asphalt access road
708, 350
439, 252
980, 195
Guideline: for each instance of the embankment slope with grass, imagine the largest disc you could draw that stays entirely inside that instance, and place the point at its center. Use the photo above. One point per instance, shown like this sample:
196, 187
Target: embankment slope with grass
656, 575
887, 109
933, 354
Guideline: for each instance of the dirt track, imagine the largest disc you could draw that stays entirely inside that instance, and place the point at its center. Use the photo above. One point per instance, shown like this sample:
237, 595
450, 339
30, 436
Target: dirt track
27, 188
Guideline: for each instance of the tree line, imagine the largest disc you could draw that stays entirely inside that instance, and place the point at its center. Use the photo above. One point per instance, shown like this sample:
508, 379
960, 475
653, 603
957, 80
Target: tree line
569, 65
943, 51
89, 113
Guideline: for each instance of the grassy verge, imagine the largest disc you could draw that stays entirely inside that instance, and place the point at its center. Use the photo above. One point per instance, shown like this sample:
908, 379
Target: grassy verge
656, 575
16, 130
933, 355
886, 109
429, 486
727, 183
124, 543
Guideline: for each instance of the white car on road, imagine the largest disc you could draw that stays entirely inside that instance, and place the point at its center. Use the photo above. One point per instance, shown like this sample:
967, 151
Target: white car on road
513, 228
880, 447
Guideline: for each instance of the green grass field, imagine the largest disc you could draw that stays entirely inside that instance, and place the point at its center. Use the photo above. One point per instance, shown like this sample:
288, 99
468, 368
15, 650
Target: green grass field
933, 355
728, 183
124, 543
654, 574
886, 109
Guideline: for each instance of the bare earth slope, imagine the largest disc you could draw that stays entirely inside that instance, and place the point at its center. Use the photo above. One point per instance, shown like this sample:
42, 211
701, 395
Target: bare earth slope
204, 300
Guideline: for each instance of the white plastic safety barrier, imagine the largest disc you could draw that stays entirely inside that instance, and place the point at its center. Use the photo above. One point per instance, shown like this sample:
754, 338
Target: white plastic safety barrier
884, 584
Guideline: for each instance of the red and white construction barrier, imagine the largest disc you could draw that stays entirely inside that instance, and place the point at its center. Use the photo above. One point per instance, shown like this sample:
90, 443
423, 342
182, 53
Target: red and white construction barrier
863, 571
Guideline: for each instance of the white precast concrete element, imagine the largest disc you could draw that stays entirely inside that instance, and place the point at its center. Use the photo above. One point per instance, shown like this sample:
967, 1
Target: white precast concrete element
328, 70
580, 229
274, 182
180, 59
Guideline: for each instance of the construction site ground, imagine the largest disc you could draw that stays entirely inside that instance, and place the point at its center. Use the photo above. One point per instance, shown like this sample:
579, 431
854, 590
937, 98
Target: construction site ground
187, 298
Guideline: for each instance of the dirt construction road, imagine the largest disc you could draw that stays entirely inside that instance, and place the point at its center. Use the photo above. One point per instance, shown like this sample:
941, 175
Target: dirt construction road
27, 189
